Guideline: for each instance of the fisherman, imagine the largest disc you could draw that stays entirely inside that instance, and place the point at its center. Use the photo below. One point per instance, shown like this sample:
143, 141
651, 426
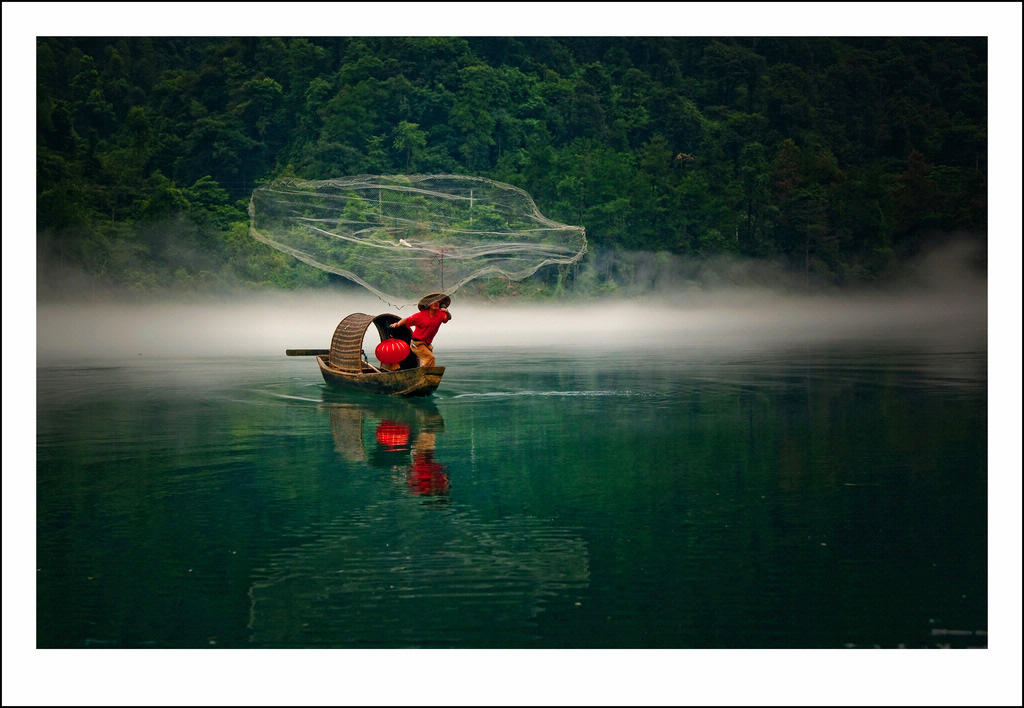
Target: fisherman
433, 312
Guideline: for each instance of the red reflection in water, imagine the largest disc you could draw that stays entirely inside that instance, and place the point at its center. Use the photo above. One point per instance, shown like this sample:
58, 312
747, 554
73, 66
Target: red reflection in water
427, 477
391, 434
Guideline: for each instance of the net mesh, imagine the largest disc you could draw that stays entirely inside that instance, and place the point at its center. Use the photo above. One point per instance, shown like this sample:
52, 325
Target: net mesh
401, 236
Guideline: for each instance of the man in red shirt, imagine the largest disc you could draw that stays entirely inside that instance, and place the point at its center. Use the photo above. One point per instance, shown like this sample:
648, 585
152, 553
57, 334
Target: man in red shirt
433, 313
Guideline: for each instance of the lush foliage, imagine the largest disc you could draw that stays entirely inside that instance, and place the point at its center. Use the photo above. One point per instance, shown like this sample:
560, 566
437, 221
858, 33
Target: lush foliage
837, 158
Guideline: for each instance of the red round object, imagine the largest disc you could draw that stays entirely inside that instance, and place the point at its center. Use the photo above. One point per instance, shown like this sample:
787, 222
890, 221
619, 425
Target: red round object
392, 351
392, 434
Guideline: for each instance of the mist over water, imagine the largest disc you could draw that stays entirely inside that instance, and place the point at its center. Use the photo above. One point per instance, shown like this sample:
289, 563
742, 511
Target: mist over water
951, 316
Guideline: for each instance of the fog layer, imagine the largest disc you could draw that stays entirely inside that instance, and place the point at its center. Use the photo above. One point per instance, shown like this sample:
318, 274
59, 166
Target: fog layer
950, 316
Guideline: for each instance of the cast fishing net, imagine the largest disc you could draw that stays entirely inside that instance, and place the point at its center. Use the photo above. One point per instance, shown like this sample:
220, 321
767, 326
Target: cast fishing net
401, 236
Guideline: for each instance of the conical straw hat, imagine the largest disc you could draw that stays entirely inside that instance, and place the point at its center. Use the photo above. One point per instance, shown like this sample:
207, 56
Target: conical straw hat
426, 301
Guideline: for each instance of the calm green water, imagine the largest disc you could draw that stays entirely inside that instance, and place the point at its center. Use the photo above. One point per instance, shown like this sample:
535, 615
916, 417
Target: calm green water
820, 497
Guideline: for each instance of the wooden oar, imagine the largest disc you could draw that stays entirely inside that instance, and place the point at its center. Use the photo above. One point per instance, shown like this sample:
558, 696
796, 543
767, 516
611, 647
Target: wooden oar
324, 352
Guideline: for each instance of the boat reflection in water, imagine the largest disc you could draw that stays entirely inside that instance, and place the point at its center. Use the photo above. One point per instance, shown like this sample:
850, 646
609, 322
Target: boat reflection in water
391, 560
404, 439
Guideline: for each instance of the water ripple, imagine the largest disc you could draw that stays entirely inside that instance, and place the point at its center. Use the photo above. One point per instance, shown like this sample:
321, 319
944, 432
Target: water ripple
566, 394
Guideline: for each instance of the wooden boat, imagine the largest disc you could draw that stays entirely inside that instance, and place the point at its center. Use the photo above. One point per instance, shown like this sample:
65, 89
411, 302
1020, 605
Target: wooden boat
344, 366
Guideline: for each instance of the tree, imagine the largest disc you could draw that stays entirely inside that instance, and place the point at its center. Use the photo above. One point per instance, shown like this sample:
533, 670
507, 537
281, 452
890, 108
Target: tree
140, 131
919, 201
471, 116
755, 176
732, 75
410, 140
256, 102
218, 146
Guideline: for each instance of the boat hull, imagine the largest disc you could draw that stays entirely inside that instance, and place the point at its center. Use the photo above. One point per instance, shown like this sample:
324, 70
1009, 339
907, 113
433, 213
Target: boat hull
414, 382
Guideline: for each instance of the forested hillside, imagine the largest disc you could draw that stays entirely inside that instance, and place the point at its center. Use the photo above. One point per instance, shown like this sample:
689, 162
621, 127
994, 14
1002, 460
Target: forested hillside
836, 159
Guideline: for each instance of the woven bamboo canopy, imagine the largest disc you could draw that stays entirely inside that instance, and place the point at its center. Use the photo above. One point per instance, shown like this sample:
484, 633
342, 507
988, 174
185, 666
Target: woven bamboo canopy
347, 343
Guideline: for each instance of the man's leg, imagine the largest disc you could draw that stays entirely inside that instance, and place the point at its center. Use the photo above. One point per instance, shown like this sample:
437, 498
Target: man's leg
424, 352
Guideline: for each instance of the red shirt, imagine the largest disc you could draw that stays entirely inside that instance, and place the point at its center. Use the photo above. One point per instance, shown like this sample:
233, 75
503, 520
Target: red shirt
426, 325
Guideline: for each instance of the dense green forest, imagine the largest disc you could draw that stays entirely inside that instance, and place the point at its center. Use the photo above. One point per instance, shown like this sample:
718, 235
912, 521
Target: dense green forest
835, 159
